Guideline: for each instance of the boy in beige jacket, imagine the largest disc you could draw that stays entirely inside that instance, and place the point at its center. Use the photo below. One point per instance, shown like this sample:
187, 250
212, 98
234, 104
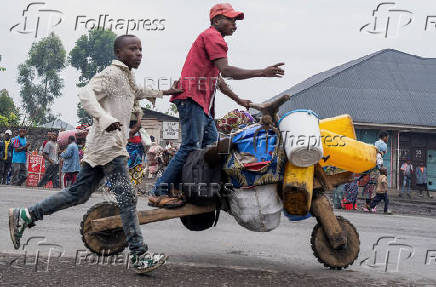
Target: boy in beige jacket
381, 191
109, 98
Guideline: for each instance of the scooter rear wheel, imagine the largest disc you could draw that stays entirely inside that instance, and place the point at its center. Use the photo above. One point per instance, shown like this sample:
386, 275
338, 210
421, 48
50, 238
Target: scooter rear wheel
105, 243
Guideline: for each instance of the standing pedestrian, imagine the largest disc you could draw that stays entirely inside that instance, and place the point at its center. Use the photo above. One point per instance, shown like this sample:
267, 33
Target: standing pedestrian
71, 162
108, 98
370, 189
381, 191
407, 170
421, 180
19, 158
382, 146
50, 154
205, 65
6, 152
351, 190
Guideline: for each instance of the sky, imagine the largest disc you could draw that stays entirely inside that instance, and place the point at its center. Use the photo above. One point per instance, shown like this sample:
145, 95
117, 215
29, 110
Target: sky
308, 36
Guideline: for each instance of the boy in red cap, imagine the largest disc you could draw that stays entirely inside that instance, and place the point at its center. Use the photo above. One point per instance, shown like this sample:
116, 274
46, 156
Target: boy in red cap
201, 74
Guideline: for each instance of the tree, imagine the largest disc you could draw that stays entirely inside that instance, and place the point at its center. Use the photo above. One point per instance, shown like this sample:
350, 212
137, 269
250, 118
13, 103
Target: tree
39, 78
172, 110
91, 54
151, 107
84, 117
9, 113
2, 69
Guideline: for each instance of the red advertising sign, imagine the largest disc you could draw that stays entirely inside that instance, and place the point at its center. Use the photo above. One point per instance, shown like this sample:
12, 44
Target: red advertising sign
36, 169
32, 179
35, 163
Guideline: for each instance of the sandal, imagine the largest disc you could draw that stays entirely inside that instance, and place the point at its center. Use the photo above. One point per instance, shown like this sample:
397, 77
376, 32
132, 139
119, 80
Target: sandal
164, 201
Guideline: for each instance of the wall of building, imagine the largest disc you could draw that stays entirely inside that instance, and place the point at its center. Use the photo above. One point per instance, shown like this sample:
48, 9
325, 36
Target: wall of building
419, 147
154, 127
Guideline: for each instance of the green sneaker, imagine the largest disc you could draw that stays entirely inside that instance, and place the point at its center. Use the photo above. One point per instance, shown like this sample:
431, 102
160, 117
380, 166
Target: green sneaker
19, 219
147, 262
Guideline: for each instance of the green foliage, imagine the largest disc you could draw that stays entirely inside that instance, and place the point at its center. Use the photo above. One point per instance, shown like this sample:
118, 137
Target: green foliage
39, 78
151, 107
92, 53
172, 110
2, 69
9, 114
84, 117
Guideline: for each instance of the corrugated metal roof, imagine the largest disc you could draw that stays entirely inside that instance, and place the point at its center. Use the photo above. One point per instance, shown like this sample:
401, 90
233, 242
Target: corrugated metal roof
149, 114
386, 87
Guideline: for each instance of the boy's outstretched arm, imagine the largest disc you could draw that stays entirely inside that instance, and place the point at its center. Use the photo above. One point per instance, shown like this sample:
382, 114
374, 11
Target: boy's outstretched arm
226, 90
236, 73
151, 95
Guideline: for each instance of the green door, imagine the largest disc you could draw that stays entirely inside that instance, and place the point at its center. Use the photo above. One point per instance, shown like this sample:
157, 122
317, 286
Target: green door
431, 169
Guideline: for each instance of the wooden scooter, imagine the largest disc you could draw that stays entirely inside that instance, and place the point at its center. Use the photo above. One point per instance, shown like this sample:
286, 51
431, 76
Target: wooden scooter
335, 241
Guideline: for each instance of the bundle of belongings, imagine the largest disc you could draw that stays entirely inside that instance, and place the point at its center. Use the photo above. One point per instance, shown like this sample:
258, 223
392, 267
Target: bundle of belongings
234, 121
244, 182
255, 167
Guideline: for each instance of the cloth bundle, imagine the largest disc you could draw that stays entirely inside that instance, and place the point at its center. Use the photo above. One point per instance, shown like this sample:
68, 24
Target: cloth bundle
233, 121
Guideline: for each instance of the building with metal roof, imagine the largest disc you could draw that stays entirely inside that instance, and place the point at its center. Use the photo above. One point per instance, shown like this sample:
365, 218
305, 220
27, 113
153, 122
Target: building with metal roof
387, 90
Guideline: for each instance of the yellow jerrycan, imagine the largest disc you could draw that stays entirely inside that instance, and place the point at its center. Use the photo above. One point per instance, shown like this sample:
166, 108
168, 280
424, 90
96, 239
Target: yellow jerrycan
297, 189
346, 153
342, 125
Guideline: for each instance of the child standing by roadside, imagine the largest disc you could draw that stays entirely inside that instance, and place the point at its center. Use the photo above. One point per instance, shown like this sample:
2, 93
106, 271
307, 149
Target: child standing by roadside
381, 191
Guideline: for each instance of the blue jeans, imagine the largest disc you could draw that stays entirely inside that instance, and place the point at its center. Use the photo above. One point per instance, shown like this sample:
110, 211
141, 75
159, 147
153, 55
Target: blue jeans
87, 182
198, 131
406, 182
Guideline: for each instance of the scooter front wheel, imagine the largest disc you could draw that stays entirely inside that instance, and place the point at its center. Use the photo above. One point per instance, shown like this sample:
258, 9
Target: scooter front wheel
336, 258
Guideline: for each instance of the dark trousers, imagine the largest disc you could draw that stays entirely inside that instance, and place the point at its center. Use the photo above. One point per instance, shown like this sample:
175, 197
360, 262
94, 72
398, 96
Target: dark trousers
70, 178
87, 182
19, 173
5, 166
378, 198
423, 187
51, 173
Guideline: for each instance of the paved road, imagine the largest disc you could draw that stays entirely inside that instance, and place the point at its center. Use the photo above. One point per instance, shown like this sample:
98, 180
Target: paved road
226, 255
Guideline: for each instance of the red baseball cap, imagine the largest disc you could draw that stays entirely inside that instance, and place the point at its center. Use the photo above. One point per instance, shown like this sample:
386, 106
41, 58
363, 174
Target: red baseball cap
227, 10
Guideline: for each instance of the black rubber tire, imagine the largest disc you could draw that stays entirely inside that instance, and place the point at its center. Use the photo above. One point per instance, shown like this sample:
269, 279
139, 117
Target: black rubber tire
199, 222
331, 258
107, 242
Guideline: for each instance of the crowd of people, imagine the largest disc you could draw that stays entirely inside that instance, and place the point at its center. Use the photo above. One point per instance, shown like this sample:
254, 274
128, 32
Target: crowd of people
62, 164
14, 153
374, 183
